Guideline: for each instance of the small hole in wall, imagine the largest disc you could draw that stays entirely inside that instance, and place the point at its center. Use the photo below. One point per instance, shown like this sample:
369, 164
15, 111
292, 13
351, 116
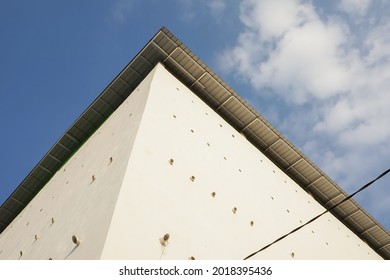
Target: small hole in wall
76, 240
52, 220
64, 170
174, 116
93, 178
192, 178
192, 130
111, 159
273, 171
191, 258
206, 114
177, 89
36, 236
252, 223
234, 210
208, 144
288, 211
21, 253
239, 170
171, 161
233, 135
312, 231
220, 125
224, 158
348, 236
130, 114
164, 239
286, 182
300, 221
296, 191
41, 210
272, 197
326, 243
67, 182
27, 223
213, 194
292, 254
308, 201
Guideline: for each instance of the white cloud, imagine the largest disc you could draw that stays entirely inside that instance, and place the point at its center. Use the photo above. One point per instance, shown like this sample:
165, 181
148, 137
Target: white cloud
377, 43
271, 19
307, 61
355, 7
288, 48
333, 80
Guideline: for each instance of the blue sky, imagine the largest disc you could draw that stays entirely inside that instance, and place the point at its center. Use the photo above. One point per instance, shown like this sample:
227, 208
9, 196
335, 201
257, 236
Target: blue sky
319, 71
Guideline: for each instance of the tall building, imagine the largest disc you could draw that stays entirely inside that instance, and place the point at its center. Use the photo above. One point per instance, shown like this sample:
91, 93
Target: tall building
170, 163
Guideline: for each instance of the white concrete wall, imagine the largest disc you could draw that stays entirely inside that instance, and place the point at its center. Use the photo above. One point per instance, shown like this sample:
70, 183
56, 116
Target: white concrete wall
140, 196
79, 206
159, 198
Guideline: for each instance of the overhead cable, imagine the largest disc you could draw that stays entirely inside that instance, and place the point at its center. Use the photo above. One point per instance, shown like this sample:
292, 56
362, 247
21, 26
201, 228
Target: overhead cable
316, 217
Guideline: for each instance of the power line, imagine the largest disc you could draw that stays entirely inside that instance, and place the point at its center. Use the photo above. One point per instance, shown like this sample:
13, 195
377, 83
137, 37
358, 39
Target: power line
316, 217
